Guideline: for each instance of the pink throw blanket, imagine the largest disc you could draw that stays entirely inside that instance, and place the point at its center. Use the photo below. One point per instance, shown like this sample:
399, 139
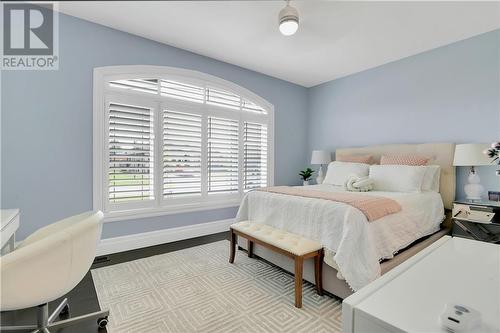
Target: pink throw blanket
372, 207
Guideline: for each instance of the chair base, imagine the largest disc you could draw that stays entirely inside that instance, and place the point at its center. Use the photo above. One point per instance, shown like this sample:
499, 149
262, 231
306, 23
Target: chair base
46, 322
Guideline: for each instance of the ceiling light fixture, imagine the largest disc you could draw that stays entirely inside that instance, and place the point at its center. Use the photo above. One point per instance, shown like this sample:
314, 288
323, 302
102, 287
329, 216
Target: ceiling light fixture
289, 20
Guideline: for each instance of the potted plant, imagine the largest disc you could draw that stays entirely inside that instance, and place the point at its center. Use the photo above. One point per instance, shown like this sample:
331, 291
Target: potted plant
306, 175
494, 154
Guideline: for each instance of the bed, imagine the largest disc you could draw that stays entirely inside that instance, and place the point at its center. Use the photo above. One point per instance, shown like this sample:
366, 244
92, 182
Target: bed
357, 252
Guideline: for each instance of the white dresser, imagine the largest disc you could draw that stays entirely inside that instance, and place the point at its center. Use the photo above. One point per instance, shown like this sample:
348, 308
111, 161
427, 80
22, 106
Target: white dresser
412, 296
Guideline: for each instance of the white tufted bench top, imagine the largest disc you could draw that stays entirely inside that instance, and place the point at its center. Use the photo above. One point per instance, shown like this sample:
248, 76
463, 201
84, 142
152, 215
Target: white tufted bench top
287, 241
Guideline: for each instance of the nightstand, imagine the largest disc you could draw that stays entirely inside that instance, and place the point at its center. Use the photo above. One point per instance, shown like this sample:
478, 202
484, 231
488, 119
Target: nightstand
477, 220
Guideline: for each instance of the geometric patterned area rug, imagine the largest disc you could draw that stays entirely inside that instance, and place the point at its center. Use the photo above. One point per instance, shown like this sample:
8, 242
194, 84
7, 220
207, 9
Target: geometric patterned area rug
197, 290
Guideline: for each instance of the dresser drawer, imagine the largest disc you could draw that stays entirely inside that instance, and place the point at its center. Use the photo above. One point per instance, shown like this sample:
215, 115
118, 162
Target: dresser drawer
486, 232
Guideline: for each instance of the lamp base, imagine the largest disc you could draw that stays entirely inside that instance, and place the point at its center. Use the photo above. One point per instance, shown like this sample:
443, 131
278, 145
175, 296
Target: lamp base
320, 178
473, 189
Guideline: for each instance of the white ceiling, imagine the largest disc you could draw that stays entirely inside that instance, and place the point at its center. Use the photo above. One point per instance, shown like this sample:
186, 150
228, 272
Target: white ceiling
335, 38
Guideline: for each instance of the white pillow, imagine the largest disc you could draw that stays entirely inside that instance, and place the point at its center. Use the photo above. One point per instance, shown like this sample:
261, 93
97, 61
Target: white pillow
397, 178
431, 178
338, 172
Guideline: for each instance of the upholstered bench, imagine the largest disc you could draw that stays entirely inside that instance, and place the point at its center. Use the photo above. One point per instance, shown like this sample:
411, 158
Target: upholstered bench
291, 245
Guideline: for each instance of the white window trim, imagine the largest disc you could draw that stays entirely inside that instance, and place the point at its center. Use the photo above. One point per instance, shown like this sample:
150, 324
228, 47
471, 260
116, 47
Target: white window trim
100, 90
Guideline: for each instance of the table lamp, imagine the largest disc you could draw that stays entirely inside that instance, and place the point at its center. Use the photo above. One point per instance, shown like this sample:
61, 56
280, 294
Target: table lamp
472, 155
320, 157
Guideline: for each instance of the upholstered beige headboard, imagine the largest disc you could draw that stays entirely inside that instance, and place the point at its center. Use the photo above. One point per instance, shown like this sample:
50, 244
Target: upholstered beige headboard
440, 154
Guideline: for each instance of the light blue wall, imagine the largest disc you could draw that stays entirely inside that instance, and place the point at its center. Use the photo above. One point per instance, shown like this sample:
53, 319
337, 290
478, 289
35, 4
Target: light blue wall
47, 125
449, 94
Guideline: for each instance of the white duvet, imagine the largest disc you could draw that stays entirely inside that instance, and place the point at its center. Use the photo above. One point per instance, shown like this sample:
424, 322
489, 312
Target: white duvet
353, 245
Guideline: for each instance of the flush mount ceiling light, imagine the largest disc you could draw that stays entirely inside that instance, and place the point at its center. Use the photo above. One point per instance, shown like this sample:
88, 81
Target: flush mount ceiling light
289, 20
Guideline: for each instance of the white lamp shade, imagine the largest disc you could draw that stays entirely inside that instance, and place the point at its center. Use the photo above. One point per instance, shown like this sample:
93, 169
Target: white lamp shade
321, 157
471, 154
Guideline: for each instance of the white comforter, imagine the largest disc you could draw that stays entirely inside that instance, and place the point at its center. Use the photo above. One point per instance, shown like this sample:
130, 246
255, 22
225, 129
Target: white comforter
355, 245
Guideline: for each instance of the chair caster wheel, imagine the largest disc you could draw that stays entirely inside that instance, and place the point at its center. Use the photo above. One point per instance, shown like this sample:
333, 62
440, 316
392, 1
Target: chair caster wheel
64, 311
102, 322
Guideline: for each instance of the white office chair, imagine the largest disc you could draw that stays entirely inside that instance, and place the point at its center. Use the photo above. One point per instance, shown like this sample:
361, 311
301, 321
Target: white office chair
47, 265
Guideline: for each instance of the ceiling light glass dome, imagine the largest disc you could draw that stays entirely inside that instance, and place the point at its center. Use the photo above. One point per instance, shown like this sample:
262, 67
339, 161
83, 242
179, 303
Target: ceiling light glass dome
288, 20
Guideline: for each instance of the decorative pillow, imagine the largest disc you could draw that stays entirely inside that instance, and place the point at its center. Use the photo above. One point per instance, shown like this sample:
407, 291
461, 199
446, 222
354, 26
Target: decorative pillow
366, 159
431, 178
402, 159
338, 172
397, 178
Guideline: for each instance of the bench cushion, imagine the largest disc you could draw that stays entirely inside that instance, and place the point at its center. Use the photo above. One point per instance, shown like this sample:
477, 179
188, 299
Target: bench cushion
287, 241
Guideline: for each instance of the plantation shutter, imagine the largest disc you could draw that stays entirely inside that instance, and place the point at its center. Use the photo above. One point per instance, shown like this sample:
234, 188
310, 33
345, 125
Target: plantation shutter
131, 153
181, 154
222, 155
176, 141
246, 105
255, 156
183, 91
223, 98
149, 86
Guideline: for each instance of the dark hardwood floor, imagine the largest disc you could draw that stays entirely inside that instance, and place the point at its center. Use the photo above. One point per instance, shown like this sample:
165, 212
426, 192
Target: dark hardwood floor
83, 298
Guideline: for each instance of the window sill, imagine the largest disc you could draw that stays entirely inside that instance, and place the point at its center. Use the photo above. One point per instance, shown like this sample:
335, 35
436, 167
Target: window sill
123, 215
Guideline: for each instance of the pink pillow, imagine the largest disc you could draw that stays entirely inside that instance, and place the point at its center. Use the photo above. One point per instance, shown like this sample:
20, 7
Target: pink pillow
402, 159
366, 159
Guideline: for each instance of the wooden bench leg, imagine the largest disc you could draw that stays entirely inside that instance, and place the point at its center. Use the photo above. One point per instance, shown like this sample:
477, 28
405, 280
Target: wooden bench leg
250, 249
232, 247
318, 272
299, 265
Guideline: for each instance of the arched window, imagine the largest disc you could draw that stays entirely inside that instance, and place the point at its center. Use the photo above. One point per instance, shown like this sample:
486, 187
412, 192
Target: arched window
168, 140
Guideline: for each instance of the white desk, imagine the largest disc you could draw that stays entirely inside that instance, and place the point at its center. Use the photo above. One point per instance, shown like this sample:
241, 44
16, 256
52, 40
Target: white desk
411, 297
9, 224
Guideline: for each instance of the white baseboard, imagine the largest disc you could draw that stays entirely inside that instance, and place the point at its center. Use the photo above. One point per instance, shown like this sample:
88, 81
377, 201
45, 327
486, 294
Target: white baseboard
145, 239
